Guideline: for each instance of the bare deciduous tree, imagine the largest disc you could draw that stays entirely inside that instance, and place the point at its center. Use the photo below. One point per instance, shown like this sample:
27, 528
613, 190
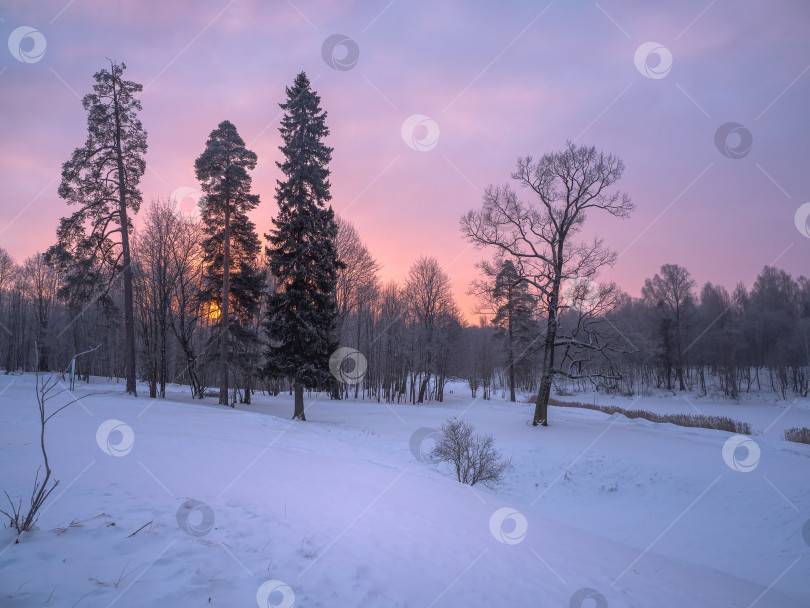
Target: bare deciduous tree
671, 295
187, 312
356, 290
539, 236
432, 306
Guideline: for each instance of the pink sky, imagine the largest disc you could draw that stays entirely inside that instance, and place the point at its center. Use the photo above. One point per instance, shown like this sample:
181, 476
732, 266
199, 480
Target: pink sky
500, 80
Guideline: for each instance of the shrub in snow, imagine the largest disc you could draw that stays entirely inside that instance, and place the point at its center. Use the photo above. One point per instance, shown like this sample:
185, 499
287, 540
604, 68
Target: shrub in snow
22, 518
474, 456
798, 434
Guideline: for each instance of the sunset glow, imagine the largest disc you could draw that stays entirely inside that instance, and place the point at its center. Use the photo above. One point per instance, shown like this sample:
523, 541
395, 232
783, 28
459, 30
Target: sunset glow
476, 85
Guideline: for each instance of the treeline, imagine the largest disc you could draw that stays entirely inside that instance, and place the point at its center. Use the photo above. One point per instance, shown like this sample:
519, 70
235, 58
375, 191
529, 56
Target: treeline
411, 335
707, 340
207, 303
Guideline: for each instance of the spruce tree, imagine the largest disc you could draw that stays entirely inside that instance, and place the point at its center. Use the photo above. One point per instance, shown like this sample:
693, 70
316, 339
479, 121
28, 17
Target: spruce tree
302, 311
102, 178
513, 318
232, 281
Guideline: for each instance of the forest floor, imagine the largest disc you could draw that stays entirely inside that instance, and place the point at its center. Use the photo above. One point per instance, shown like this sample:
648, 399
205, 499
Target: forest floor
343, 511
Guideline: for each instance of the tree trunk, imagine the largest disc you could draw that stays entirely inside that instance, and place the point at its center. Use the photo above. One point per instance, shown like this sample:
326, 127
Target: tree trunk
129, 312
248, 387
129, 309
511, 359
541, 406
423, 388
163, 363
299, 402
223, 312
681, 385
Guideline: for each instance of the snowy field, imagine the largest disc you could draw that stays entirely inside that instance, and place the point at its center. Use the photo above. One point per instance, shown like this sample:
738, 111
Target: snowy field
342, 511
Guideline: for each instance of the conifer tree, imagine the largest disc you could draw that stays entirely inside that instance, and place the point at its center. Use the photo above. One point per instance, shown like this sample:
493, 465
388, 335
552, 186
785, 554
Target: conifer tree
302, 311
233, 283
513, 318
101, 178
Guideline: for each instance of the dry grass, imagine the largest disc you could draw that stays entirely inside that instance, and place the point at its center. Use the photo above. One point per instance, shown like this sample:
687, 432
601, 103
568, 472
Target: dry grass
720, 423
798, 435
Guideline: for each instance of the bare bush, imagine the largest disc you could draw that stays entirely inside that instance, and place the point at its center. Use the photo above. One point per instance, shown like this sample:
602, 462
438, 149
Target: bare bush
798, 435
22, 518
474, 456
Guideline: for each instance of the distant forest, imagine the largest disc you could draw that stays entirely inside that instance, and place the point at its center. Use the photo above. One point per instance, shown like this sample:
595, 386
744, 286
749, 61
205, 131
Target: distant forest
411, 334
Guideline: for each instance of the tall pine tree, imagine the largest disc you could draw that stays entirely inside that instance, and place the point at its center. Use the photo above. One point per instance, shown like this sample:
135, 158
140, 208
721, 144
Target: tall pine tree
513, 318
233, 282
101, 178
302, 311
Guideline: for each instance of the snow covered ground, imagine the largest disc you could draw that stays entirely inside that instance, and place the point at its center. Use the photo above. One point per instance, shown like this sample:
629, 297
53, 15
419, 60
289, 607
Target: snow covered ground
249, 508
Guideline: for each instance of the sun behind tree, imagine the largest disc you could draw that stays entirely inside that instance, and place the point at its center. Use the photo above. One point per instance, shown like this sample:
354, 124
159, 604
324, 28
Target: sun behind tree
231, 245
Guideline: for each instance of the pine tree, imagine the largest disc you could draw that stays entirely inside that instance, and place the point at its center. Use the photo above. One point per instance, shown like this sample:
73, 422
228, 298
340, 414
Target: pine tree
513, 317
102, 178
302, 311
233, 284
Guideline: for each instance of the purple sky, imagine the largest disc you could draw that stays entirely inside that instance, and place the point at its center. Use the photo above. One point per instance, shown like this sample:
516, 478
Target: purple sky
498, 79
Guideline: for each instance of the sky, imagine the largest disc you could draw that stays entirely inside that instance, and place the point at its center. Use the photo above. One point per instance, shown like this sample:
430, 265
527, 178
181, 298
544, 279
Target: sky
705, 101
